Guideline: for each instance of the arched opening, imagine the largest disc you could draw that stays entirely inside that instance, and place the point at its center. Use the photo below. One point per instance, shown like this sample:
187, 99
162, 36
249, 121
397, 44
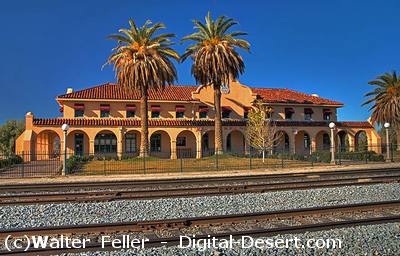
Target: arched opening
105, 143
323, 141
186, 145
235, 142
47, 145
342, 142
132, 143
282, 144
361, 141
207, 143
78, 143
160, 144
303, 143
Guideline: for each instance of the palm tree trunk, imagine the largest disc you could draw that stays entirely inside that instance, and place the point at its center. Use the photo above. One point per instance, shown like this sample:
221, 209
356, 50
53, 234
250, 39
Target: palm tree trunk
218, 120
144, 142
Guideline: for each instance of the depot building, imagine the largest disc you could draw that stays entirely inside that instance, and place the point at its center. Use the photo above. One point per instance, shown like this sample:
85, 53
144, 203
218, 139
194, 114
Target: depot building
104, 119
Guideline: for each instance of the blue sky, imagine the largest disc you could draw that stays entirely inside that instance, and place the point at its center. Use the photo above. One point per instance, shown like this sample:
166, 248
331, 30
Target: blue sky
332, 48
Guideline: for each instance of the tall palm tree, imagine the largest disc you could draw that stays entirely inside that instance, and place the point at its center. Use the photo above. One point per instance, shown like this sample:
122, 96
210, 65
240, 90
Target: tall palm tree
385, 99
142, 61
215, 60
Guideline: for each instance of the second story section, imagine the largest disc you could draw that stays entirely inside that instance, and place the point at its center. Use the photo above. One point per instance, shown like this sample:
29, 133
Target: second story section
196, 102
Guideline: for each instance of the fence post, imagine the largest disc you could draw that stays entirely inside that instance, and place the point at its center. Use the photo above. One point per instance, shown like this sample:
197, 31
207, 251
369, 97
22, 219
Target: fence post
216, 160
282, 162
250, 164
144, 163
23, 163
104, 165
181, 163
366, 156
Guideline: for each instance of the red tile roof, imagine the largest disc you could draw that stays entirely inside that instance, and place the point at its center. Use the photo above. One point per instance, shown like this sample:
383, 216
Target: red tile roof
278, 95
111, 91
130, 122
177, 123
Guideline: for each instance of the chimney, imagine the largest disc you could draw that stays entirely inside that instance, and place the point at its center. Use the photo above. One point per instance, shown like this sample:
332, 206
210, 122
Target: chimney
315, 95
29, 121
70, 90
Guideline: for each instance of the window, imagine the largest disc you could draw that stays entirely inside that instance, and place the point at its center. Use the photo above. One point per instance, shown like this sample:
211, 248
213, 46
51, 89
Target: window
78, 144
130, 113
246, 111
269, 112
79, 109
287, 142
155, 143
130, 143
181, 141
105, 143
180, 111
307, 141
155, 111
289, 113
104, 110
229, 143
226, 112
327, 114
203, 112
308, 114
326, 142
79, 113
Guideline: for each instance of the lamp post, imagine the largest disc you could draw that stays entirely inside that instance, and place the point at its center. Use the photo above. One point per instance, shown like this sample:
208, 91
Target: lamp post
65, 128
387, 125
332, 126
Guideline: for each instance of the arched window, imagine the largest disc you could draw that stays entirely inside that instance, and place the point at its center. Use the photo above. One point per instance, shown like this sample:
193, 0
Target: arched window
326, 142
130, 143
229, 143
307, 141
155, 143
361, 141
105, 143
287, 142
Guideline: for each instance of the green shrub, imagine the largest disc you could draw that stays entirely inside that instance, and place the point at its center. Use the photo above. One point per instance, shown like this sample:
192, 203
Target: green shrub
11, 160
74, 163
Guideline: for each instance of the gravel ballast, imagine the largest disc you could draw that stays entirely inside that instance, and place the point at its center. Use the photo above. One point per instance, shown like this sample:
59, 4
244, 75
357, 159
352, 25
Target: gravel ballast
383, 239
118, 211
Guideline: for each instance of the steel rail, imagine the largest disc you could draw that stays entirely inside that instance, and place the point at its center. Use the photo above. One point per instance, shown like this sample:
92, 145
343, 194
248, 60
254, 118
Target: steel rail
101, 196
143, 226
179, 181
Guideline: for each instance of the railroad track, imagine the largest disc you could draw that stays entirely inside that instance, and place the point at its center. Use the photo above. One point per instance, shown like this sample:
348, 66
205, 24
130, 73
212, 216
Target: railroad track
71, 186
276, 222
141, 194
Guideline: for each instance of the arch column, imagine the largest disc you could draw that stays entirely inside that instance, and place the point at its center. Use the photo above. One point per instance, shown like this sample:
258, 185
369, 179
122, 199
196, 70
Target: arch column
91, 146
173, 149
351, 142
199, 145
292, 142
313, 144
120, 141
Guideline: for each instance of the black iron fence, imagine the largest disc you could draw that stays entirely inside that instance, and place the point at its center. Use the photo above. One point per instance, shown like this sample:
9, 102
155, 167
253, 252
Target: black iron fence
25, 164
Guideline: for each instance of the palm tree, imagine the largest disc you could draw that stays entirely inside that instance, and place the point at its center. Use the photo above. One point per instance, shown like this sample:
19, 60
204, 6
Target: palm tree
215, 60
142, 61
385, 99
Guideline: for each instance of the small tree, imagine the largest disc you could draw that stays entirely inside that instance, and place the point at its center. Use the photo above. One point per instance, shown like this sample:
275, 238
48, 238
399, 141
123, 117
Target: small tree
9, 133
261, 131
